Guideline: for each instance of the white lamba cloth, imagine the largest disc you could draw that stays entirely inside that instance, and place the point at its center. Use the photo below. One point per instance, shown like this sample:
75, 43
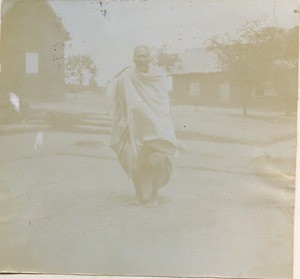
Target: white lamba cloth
142, 106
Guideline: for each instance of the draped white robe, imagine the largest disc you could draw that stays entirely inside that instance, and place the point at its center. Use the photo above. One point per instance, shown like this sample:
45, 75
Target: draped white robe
141, 121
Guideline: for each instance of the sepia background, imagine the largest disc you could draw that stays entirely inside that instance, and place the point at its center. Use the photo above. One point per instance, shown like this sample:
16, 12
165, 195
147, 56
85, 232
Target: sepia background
232, 70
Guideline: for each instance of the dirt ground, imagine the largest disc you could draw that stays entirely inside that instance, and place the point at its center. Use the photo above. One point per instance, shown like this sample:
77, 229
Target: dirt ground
227, 211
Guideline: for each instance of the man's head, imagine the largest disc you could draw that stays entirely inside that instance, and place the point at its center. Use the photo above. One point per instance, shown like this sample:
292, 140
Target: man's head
142, 57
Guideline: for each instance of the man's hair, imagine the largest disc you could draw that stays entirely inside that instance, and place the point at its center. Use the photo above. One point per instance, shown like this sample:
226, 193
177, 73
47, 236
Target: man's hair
137, 48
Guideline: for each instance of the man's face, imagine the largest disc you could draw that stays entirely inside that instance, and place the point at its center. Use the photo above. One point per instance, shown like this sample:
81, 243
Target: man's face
142, 57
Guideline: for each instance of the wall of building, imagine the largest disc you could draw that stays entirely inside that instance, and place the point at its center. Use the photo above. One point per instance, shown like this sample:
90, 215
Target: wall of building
32, 28
216, 90
197, 89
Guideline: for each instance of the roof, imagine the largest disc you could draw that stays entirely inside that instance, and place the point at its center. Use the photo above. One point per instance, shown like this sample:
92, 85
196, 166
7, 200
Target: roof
8, 4
197, 60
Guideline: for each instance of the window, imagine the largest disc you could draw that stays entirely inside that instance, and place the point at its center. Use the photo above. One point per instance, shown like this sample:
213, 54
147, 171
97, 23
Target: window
264, 90
258, 92
270, 90
32, 63
224, 93
194, 89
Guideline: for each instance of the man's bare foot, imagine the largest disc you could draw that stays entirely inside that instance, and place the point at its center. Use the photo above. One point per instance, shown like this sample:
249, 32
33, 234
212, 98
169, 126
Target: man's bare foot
153, 202
136, 201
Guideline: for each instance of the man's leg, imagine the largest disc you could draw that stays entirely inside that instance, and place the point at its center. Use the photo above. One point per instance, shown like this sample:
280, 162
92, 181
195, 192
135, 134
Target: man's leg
146, 185
129, 164
160, 175
153, 174
153, 202
137, 199
157, 160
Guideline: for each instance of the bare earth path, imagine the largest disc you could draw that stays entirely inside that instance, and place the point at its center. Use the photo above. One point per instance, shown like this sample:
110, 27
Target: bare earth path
66, 209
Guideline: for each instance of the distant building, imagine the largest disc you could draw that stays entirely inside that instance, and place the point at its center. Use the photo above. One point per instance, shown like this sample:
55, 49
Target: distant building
201, 81
32, 50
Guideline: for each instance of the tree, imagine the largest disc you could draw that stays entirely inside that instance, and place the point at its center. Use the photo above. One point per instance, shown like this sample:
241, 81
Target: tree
81, 67
285, 71
253, 57
167, 61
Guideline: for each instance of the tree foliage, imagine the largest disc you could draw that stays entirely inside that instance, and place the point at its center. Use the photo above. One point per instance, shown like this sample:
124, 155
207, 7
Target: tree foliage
165, 60
81, 68
257, 55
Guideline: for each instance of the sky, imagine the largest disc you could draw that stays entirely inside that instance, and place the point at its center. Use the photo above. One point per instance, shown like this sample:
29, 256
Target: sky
108, 31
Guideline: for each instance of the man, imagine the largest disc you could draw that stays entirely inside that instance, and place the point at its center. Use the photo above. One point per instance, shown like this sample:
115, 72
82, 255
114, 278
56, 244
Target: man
142, 132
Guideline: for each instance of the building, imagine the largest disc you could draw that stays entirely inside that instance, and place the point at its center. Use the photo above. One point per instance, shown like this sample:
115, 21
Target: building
32, 50
201, 81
